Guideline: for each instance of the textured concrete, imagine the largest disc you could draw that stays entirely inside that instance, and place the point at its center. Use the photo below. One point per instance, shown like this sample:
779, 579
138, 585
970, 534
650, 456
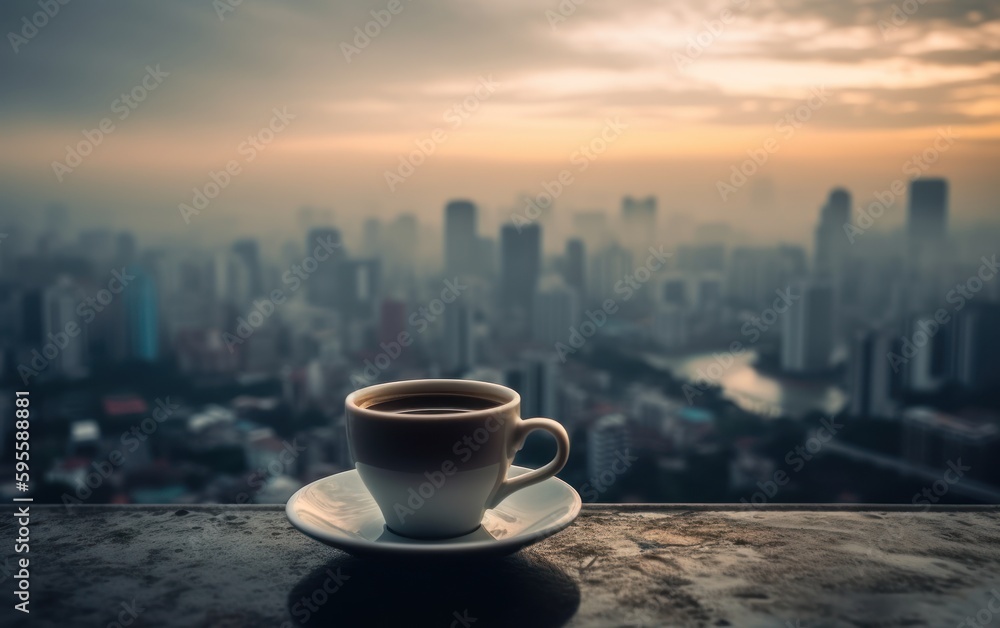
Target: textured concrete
616, 566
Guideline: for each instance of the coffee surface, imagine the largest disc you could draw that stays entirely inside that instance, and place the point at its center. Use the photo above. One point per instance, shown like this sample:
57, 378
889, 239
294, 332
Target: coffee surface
417, 405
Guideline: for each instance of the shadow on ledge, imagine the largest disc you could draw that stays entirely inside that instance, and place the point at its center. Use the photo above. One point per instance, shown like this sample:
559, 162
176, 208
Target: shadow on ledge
519, 590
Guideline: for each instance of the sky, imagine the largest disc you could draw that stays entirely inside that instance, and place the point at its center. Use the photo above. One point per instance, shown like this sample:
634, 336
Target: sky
668, 98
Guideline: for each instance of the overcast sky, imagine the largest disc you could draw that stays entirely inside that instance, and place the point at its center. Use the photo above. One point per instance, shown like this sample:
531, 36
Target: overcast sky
687, 113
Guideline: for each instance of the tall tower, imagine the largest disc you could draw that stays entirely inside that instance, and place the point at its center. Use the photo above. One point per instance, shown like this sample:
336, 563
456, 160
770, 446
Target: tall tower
831, 241
927, 222
460, 238
322, 286
807, 329
639, 222
142, 316
872, 381
520, 265
247, 254
574, 267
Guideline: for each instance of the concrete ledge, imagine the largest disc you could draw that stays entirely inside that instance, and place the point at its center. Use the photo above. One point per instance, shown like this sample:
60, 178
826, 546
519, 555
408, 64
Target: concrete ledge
652, 565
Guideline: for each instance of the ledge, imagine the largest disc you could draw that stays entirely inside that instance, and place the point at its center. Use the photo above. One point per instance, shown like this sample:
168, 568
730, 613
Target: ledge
651, 565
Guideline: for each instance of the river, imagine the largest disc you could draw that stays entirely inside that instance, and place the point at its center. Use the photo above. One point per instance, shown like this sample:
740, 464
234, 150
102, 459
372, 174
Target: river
750, 389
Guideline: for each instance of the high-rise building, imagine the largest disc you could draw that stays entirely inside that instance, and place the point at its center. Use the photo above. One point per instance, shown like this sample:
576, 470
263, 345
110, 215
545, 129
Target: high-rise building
670, 326
976, 344
142, 316
927, 222
535, 379
372, 238
931, 364
557, 308
592, 227
701, 257
247, 254
574, 267
459, 346
607, 437
391, 320
873, 383
460, 238
520, 265
358, 288
639, 222
323, 283
58, 313
831, 240
807, 329
608, 267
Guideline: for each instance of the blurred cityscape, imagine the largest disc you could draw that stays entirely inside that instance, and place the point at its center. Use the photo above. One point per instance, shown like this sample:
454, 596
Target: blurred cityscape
687, 364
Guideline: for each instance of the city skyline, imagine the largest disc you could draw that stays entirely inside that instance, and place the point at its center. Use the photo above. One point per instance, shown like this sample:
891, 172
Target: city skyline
868, 93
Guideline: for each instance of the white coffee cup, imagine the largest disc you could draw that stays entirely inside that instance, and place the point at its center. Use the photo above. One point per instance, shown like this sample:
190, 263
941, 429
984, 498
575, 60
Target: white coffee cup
434, 453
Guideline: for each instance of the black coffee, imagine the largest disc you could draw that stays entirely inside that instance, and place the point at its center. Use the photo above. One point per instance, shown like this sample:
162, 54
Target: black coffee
433, 404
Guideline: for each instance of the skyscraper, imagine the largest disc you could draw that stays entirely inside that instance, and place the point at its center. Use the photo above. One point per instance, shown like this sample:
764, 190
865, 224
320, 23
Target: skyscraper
458, 338
534, 378
927, 222
520, 264
872, 381
606, 438
574, 267
807, 329
976, 344
58, 313
142, 316
247, 254
831, 241
322, 284
638, 222
460, 238
557, 308
608, 267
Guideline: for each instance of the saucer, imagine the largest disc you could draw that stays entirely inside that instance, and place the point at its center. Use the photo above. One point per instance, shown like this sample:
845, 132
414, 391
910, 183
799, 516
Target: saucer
339, 511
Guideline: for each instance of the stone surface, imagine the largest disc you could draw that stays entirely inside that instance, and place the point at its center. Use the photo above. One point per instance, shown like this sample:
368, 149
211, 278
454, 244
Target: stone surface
615, 566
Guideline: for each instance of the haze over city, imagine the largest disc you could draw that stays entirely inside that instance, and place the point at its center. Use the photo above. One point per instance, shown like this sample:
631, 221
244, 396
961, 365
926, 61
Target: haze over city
691, 102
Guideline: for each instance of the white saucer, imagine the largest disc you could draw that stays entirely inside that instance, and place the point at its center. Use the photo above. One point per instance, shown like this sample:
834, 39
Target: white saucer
339, 511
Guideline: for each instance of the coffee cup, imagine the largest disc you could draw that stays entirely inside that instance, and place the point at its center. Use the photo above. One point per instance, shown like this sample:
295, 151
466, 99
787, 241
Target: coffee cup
434, 453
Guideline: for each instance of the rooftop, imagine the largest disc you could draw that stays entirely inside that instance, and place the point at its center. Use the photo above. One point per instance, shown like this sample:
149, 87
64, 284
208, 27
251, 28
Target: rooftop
639, 565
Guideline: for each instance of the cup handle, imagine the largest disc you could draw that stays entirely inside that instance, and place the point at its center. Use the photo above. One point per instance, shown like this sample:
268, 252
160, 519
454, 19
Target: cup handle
525, 426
